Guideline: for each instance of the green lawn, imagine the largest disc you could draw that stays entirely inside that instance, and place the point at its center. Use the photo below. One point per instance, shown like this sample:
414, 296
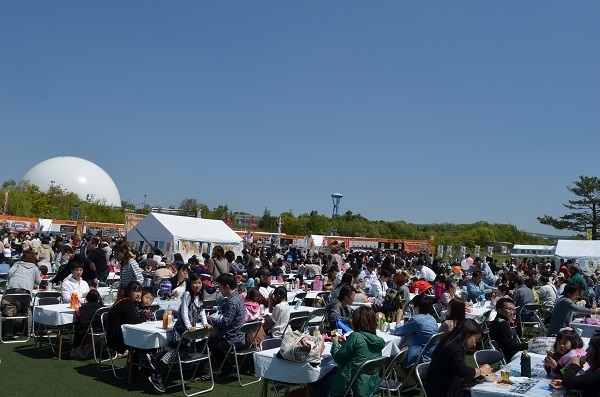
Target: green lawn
27, 371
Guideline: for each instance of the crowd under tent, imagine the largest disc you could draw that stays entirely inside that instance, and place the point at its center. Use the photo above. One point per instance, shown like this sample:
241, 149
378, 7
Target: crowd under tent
188, 236
585, 252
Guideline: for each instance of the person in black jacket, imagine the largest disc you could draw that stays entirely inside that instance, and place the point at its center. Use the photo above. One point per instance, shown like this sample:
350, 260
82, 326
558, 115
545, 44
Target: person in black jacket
448, 361
501, 332
89, 271
123, 312
589, 380
84, 316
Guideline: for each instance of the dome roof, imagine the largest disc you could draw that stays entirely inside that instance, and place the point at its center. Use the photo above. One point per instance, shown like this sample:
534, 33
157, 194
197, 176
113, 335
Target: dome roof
75, 175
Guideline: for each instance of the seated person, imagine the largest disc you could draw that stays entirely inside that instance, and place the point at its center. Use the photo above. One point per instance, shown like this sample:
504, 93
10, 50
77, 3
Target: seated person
361, 345
420, 328
280, 313
339, 309
476, 288
228, 319
74, 283
455, 314
84, 318
587, 381
123, 312
264, 286
501, 331
448, 361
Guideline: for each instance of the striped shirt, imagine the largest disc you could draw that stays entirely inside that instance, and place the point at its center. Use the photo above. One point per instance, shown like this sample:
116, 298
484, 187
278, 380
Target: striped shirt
130, 272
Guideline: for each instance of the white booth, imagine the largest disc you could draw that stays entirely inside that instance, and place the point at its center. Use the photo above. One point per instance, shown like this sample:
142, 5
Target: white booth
585, 252
185, 235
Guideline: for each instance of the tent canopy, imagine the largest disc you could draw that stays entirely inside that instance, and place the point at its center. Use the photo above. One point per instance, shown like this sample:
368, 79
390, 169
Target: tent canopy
533, 250
578, 249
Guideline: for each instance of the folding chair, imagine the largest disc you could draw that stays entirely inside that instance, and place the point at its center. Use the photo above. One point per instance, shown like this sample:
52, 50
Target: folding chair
389, 381
251, 328
40, 295
532, 319
108, 350
23, 303
422, 376
2, 286
325, 295
434, 340
95, 333
298, 297
318, 317
369, 367
193, 359
46, 330
495, 346
297, 321
494, 358
273, 343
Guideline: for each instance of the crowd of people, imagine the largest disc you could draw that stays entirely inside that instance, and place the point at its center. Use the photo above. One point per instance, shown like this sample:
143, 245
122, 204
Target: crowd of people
242, 284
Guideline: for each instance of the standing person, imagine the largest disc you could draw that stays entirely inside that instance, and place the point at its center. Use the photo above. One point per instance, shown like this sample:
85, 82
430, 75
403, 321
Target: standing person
220, 262
130, 270
68, 254
336, 259
98, 258
565, 306
191, 312
46, 250
448, 361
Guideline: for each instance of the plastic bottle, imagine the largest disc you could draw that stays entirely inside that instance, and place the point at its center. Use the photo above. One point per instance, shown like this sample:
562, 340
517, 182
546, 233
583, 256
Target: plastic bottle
525, 364
165, 320
169, 315
111, 296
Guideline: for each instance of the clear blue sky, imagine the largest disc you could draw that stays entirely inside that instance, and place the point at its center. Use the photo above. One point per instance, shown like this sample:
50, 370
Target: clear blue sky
423, 111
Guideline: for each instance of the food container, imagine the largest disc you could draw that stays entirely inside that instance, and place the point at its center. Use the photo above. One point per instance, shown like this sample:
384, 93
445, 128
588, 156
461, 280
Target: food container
491, 377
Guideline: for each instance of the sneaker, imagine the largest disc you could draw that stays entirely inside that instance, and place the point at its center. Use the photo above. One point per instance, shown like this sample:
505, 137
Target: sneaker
203, 378
156, 381
151, 358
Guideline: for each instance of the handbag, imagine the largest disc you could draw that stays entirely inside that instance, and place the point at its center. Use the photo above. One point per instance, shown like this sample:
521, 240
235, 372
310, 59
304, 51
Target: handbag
9, 309
301, 347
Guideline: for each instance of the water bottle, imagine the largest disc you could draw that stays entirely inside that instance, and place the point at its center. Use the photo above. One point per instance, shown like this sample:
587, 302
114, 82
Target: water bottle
525, 364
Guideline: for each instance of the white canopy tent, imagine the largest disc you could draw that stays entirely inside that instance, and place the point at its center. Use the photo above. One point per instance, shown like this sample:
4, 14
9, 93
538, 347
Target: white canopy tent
180, 234
538, 251
315, 242
585, 252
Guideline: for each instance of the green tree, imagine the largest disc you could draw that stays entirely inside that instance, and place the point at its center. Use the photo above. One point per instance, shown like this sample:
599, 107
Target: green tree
586, 209
188, 206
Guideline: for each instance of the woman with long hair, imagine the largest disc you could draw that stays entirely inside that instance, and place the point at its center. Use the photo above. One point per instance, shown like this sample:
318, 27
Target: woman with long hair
123, 312
448, 360
130, 270
455, 314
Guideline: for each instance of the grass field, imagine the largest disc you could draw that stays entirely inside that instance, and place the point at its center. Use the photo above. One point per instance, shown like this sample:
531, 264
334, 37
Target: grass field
25, 371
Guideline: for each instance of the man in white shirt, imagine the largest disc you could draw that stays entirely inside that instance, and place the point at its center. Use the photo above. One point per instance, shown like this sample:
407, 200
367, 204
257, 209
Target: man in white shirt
75, 283
425, 272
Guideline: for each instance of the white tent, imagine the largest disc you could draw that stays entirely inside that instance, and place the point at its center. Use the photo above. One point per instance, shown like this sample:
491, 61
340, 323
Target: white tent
585, 252
533, 250
315, 242
180, 234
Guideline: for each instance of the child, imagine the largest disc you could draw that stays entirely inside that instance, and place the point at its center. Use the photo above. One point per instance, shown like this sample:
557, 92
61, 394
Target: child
280, 311
251, 302
82, 347
190, 312
568, 344
43, 269
143, 308
74, 283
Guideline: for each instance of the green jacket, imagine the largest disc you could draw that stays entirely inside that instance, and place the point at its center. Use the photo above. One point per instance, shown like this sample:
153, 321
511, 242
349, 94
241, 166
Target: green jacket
358, 348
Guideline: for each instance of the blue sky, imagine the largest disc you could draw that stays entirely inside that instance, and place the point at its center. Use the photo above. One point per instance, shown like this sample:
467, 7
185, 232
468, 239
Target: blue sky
417, 111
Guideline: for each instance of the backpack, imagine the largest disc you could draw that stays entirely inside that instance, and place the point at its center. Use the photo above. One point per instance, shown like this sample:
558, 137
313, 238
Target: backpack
389, 304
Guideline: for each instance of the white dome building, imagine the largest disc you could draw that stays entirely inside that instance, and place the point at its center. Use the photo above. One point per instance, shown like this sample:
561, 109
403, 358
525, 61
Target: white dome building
75, 175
